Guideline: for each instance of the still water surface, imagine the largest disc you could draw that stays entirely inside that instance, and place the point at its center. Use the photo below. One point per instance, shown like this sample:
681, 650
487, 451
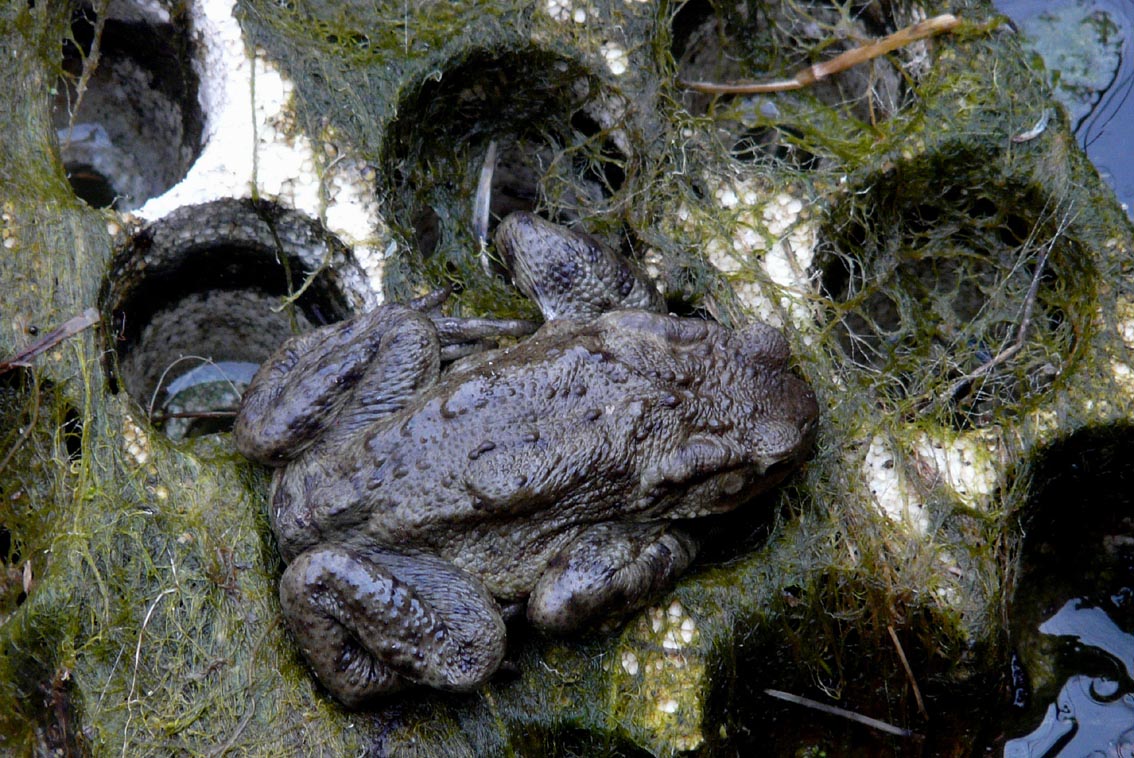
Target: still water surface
1088, 47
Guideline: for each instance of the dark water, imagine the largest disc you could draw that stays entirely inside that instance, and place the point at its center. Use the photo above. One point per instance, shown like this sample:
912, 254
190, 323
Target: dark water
1088, 46
1071, 618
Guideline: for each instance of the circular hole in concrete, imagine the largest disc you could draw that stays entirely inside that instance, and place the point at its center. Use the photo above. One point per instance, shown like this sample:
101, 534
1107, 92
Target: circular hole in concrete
722, 43
90, 186
196, 304
126, 113
943, 302
558, 153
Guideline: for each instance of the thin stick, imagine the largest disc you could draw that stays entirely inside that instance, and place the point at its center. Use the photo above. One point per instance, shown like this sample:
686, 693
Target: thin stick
909, 672
834, 710
68, 329
808, 76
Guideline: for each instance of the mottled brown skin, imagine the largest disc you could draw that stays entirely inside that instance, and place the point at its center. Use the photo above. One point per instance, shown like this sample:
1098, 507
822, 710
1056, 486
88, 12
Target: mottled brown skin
409, 502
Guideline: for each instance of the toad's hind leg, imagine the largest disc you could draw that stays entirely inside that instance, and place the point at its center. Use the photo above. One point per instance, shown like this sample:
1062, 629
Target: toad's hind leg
369, 620
609, 570
335, 380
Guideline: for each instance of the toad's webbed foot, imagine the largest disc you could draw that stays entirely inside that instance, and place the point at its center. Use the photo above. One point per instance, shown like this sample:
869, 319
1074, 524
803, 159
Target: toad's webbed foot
335, 380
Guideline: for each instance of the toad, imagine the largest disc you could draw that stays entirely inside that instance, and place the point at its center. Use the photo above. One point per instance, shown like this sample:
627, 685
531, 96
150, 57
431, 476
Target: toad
412, 504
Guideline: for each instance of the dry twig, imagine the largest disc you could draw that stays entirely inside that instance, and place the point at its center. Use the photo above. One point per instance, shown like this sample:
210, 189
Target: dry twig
68, 329
158, 418
90, 64
812, 74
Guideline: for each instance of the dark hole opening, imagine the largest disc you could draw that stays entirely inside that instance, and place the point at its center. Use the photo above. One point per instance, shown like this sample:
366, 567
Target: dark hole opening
607, 168
7, 554
72, 434
135, 129
91, 187
191, 323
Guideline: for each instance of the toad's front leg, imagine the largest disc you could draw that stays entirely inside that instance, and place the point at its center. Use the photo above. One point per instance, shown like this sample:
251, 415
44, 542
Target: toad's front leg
370, 619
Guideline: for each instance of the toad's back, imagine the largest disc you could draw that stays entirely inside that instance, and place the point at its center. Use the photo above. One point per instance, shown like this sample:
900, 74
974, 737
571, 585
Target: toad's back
545, 424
